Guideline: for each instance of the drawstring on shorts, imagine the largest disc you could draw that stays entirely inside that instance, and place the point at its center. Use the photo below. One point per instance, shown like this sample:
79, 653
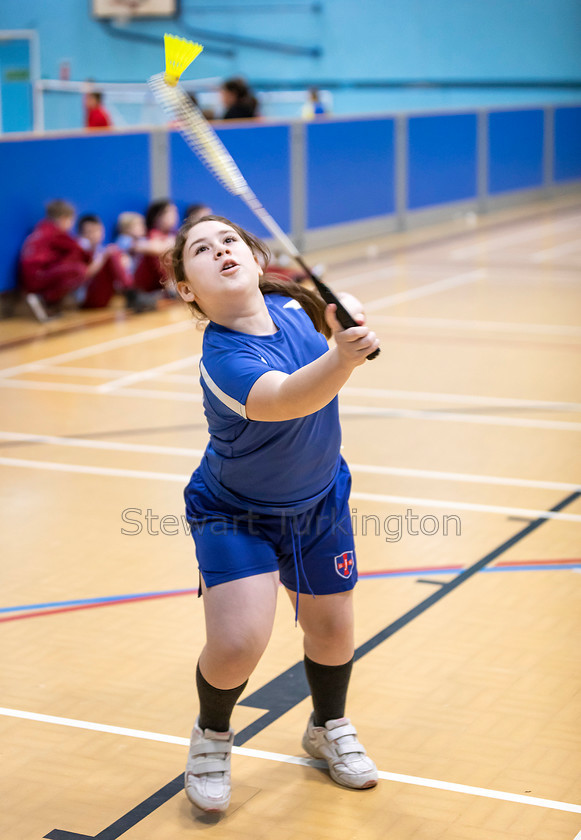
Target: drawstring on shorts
298, 564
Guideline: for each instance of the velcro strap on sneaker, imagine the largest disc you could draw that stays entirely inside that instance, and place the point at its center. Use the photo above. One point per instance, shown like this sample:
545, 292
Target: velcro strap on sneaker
206, 747
350, 747
341, 731
208, 765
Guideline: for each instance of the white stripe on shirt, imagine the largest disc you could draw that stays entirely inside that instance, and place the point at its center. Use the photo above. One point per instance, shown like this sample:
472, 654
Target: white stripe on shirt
229, 402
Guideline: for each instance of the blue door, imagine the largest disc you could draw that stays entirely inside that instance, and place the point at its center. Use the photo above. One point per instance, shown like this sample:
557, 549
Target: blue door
15, 85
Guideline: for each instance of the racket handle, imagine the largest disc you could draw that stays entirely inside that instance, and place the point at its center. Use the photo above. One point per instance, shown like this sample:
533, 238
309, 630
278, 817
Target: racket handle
344, 317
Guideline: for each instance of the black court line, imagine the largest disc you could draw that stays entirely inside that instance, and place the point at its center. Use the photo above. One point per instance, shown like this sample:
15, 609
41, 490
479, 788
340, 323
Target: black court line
290, 688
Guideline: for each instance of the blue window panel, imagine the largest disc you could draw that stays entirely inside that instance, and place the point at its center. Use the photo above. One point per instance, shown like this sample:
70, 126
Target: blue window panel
515, 150
567, 143
262, 154
350, 171
442, 162
104, 175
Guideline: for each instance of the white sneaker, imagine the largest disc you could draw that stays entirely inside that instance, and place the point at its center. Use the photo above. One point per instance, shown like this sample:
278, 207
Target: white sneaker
207, 778
37, 308
337, 743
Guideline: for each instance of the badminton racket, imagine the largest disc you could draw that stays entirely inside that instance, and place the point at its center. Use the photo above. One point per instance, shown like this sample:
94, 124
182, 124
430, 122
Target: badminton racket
203, 140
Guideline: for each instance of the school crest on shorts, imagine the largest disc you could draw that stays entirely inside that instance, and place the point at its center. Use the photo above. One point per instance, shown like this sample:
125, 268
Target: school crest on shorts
344, 564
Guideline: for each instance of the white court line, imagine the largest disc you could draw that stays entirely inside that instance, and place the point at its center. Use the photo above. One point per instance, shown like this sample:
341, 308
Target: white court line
107, 445
296, 760
458, 417
108, 373
52, 466
423, 396
426, 289
102, 347
463, 477
379, 273
556, 251
525, 513
464, 399
93, 391
150, 373
84, 443
348, 410
486, 326
536, 232
528, 513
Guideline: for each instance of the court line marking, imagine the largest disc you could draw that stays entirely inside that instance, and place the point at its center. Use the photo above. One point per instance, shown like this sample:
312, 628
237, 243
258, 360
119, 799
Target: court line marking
52, 607
458, 417
382, 272
556, 251
103, 346
413, 414
150, 373
155, 449
463, 399
528, 513
114, 446
282, 758
542, 228
470, 506
385, 393
92, 390
108, 373
492, 326
442, 285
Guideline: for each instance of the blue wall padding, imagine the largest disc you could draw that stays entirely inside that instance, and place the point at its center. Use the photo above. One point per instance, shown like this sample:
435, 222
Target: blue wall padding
262, 154
515, 150
567, 143
442, 165
98, 174
350, 171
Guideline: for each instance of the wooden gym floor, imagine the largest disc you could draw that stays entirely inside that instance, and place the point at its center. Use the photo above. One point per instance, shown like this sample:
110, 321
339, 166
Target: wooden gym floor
466, 689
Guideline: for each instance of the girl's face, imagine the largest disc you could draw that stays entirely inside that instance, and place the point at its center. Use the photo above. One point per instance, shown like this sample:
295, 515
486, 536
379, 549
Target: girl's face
168, 220
221, 270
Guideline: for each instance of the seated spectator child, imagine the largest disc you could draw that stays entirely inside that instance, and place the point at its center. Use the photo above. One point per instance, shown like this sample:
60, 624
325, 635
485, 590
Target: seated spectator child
195, 212
105, 273
133, 243
52, 263
161, 220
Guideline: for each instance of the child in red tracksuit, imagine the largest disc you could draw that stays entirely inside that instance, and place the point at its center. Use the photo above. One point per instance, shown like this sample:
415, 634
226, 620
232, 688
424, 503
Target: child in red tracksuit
53, 264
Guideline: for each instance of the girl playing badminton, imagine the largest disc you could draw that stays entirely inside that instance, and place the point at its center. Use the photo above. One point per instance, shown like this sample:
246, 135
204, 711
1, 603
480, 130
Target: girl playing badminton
269, 500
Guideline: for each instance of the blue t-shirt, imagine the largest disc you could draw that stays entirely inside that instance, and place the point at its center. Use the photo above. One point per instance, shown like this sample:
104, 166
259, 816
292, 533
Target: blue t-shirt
263, 465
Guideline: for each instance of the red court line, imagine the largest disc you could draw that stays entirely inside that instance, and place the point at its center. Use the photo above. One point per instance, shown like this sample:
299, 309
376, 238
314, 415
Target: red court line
100, 604
374, 573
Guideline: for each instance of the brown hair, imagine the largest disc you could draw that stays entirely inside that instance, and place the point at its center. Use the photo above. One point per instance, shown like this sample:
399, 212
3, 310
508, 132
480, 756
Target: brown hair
59, 209
310, 301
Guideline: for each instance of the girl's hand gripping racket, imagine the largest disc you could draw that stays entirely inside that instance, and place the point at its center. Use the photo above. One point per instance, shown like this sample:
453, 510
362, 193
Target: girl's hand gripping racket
203, 140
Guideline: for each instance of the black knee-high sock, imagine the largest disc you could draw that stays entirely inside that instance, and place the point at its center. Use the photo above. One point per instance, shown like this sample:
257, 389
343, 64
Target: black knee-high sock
328, 684
216, 704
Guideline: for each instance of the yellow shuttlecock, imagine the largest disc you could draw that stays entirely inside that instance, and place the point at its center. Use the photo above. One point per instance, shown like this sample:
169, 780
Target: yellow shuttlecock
179, 54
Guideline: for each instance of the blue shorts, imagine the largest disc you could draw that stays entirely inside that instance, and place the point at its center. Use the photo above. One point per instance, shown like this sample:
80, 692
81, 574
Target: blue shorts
313, 551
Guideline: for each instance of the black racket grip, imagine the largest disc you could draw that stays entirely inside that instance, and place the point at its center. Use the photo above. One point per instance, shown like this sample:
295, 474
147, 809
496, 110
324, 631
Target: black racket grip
344, 317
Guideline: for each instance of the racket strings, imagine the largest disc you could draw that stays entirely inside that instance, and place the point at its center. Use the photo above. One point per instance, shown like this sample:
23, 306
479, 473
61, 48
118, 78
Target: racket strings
200, 136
